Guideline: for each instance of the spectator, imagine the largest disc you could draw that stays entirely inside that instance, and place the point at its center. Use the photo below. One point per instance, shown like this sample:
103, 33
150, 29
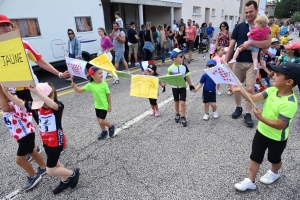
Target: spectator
284, 28
274, 28
171, 35
203, 30
141, 36
119, 20
162, 40
210, 32
133, 43
155, 36
190, 40
180, 38
119, 47
182, 23
149, 43
175, 26
243, 68
223, 37
198, 31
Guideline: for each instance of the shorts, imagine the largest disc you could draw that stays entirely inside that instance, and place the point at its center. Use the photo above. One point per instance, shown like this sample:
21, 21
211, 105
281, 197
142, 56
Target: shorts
263, 73
53, 154
245, 72
261, 143
153, 102
253, 49
119, 56
209, 96
24, 95
26, 145
101, 114
133, 48
179, 94
190, 45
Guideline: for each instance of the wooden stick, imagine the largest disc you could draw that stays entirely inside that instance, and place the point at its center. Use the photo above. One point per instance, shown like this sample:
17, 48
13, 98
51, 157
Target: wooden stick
75, 93
240, 84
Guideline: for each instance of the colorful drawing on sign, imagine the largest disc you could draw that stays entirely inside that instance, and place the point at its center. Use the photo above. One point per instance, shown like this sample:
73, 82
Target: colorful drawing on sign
174, 80
221, 74
76, 67
123, 74
15, 70
104, 63
144, 86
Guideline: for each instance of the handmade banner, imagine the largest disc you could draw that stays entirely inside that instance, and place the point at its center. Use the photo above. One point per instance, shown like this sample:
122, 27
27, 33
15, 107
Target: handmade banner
174, 80
103, 62
123, 74
14, 66
221, 74
144, 86
76, 67
144, 65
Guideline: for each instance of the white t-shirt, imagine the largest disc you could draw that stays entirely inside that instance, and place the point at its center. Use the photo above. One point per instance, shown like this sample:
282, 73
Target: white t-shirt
120, 22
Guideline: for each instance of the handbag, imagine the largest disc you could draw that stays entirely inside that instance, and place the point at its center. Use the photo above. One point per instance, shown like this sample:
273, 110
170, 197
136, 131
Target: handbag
167, 43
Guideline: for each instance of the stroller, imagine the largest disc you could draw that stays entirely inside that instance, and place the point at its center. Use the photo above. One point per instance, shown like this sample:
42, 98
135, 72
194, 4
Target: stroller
203, 44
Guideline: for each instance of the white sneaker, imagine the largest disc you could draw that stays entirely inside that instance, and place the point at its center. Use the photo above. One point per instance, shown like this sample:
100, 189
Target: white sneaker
270, 177
219, 92
110, 75
245, 185
129, 63
206, 117
231, 61
216, 114
137, 64
116, 82
128, 72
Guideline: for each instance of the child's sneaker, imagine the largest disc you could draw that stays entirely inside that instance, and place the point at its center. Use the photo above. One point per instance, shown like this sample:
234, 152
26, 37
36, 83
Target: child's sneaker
216, 114
102, 135
32, 181
255, 70
177, 118
183, 121
270, 177
206, 117
219, 92
245, 185
231, 61
61, 187
74, 178
111, 130
152, 112
40, 171
116, 82
157, 113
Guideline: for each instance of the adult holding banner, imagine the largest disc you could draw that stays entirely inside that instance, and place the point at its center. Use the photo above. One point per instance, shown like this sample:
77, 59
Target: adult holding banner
243, 68
6, 26
106, 45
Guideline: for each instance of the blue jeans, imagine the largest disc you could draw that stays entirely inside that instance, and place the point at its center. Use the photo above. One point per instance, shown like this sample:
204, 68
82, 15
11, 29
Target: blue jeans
163, 54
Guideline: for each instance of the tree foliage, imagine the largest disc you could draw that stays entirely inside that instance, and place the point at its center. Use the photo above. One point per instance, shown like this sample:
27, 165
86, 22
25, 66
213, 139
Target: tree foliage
286, 8
296, 16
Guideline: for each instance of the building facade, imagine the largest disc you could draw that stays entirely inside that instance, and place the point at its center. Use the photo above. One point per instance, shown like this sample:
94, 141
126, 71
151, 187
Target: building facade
270, 9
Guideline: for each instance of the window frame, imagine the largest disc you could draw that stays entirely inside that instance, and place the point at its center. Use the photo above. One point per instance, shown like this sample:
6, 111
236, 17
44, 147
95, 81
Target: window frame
90, 25
38, 27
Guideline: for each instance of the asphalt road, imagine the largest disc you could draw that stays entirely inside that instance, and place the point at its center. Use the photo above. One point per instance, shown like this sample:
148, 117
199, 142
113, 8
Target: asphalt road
153, 157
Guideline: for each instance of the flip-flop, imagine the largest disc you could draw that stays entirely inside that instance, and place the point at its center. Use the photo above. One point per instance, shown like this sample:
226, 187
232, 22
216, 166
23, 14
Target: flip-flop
229, 93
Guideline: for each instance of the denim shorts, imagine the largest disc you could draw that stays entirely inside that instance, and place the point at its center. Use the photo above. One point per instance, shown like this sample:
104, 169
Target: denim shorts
253, 49
119, 56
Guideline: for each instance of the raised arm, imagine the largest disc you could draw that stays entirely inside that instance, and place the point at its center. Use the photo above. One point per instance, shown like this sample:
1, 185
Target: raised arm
4, 104
14, 99
48, 67
49, 102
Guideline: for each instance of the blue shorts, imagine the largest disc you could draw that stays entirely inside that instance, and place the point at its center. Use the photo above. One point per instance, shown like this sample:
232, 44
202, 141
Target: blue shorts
253, 49
119, 56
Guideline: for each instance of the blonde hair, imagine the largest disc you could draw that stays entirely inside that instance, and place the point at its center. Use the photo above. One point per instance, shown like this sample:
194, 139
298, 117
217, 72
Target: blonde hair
102, 29
148, 24
262, 20
219, 48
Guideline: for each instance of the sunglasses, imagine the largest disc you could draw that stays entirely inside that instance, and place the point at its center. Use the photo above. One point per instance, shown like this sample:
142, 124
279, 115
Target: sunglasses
223, 26
180, 56
70, 33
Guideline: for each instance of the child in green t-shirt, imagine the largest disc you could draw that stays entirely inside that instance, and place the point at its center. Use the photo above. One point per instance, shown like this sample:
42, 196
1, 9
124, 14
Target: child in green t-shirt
272, 132
102, 99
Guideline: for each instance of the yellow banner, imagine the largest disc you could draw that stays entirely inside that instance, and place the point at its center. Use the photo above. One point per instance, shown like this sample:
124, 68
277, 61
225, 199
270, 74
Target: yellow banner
14, 67
103, 62
144, 86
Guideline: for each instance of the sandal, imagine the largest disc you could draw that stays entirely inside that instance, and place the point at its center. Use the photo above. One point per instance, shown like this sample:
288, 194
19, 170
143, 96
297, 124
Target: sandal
229, 93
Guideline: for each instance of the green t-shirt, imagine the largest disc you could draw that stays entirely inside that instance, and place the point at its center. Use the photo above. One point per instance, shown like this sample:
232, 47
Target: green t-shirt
285, 58
99, 91
275, 108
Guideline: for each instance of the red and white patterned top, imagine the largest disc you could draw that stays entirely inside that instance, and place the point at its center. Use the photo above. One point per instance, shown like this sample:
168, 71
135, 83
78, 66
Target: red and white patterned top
19, 122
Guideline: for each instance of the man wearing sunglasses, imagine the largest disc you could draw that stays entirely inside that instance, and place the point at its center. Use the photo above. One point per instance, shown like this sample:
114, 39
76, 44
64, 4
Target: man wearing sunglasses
6, 26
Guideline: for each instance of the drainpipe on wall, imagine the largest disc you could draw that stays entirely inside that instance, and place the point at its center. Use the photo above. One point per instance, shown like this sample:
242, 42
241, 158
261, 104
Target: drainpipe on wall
141, 14
172, 16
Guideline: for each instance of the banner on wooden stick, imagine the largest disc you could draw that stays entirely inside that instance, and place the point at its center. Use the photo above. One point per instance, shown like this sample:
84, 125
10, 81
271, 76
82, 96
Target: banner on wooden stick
76, 67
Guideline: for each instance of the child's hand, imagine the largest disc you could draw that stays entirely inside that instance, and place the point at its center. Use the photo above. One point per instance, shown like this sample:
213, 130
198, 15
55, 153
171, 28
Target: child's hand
33, 89
109, 109
236, 88
73, 85
248, 34
257, 112
4, 89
